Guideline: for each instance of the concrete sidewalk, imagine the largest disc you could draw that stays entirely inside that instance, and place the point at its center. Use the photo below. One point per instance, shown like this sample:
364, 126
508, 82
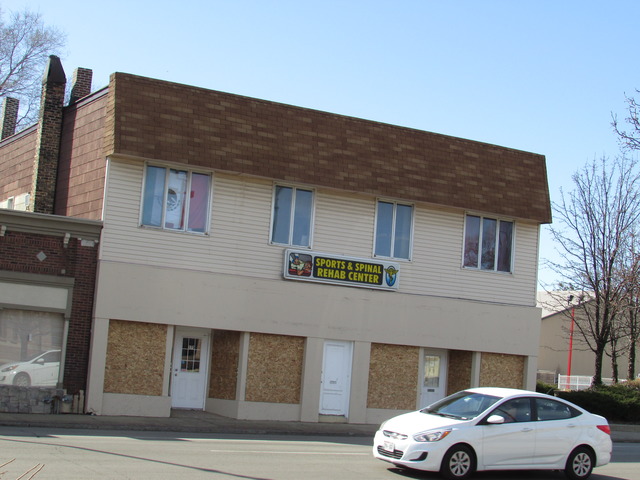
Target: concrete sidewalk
188, 421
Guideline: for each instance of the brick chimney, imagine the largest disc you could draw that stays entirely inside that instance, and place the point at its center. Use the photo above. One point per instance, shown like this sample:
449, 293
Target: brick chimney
9, 117
45, 169
80, 84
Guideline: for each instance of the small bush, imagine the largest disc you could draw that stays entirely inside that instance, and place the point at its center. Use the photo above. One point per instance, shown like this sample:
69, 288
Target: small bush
617, 403
633, 384
542, 387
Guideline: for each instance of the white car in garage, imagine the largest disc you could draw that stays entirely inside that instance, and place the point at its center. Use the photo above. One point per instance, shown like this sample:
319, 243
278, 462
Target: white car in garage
496, 429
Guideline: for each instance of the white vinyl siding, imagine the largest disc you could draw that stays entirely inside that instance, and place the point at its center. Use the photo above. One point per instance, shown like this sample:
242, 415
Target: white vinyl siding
239, 239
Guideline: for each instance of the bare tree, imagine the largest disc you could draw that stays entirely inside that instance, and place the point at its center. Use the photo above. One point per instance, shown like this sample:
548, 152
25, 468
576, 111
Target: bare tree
25, 46
630, 327
595, 222
630, 139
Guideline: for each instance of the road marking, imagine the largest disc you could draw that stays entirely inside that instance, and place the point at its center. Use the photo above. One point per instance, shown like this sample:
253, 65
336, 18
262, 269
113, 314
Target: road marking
280, 452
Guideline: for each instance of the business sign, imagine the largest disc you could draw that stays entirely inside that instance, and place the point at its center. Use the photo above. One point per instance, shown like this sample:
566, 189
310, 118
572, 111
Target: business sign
354, 272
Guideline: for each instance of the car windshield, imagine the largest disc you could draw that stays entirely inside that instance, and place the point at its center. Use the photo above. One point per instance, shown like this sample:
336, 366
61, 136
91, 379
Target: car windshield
461, 405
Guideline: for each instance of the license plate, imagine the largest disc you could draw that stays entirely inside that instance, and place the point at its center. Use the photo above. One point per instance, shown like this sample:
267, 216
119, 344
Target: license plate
389, 446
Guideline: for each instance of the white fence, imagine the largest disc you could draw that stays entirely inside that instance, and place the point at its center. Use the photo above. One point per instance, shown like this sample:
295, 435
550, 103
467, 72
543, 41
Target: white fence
578, 382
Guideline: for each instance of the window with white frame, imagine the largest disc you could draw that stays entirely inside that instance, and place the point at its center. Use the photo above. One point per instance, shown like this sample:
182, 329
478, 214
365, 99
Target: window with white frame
176, 199
292, 216
488, 244
394, 224
31, 346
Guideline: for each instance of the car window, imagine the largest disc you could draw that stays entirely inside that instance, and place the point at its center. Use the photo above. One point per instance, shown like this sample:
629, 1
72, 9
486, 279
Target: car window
515, 410
549, 409
52, 357
462, 405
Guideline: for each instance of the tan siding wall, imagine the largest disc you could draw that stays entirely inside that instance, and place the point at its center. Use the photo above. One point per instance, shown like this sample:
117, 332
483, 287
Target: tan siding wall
499, 370
459, 371
344, 224
393, 377
135, 358
225, 354
274, 371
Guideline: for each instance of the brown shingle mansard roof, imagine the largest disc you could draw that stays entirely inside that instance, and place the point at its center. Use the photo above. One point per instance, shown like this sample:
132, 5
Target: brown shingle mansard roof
160, 120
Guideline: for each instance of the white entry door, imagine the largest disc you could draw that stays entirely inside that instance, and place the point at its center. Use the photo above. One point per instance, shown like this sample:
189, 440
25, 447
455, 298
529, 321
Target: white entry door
189, 369
336, 378
433, 376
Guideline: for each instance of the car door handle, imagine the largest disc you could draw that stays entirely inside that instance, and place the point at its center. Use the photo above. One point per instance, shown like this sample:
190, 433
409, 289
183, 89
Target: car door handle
527, 429
571, 425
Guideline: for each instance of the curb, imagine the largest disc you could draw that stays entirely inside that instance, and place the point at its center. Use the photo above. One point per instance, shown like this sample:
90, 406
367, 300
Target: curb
214, 424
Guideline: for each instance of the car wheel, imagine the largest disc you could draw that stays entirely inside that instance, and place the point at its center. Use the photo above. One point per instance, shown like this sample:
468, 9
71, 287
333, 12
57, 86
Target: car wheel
579, 464
458, 463
22, 380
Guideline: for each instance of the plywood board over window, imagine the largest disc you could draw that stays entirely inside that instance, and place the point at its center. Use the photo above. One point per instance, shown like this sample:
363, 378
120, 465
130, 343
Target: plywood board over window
225, 353
393, 376
135, 358
459, 374
274, 372
500, 370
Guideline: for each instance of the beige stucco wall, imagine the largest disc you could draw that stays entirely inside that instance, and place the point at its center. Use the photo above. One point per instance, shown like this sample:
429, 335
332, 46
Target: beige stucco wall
285, 307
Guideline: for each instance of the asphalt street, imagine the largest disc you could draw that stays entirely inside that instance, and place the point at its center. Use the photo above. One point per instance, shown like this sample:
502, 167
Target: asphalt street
109, 454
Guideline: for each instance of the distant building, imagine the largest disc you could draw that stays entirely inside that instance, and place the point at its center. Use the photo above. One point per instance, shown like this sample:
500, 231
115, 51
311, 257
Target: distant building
559, 309
264, 261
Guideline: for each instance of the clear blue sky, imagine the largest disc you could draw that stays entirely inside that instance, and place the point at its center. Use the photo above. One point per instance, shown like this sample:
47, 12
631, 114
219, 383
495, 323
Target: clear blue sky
536, 75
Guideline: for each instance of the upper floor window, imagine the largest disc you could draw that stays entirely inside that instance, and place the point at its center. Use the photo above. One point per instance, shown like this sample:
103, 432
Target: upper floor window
394, 222
292, 216
488, 243
176, 199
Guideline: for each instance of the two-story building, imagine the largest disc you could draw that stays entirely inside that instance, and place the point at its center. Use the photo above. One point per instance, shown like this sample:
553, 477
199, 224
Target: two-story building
265, 261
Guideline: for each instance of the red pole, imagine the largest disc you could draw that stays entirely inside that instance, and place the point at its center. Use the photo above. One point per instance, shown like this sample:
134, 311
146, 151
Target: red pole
573, 312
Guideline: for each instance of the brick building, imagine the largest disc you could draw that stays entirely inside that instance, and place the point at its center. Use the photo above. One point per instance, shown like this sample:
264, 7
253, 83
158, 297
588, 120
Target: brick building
47, 283
259, 260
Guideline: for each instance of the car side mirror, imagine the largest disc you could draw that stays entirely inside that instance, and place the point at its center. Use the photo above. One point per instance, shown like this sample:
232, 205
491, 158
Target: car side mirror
495, 419
40, 361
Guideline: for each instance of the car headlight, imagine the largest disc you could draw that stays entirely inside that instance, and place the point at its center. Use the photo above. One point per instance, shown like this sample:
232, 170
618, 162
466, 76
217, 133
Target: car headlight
431, 436
9, 368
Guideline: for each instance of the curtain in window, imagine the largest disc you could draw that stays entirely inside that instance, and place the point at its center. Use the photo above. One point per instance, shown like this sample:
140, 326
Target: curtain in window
198, 203
496, 239
176, 196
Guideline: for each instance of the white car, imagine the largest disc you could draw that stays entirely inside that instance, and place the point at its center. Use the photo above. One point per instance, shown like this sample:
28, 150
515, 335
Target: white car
42, 370
496, 429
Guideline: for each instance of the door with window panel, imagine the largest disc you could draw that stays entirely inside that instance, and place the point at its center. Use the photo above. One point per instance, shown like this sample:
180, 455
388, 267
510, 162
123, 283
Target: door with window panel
433, 376
190, 366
